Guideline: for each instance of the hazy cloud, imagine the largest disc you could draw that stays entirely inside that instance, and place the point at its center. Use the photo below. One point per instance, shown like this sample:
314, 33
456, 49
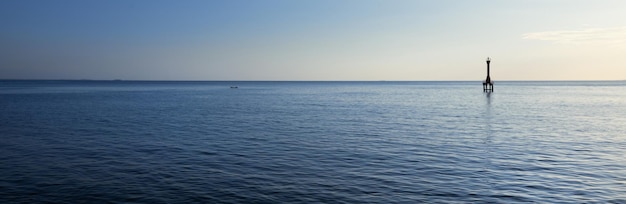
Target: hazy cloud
612, 35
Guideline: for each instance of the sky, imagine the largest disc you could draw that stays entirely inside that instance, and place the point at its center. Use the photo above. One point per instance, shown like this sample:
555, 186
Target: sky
313, 39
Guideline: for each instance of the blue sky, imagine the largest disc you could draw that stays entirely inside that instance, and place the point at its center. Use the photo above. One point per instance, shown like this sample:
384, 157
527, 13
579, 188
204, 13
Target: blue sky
313, 40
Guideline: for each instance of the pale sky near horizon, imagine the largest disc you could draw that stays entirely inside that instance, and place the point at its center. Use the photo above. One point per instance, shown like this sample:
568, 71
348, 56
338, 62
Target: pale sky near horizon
313, 39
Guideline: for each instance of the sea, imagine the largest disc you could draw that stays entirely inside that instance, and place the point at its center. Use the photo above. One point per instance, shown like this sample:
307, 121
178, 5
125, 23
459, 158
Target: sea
312, 142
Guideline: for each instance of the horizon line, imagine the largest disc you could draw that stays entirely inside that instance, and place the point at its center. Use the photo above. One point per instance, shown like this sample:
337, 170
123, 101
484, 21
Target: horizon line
260, 80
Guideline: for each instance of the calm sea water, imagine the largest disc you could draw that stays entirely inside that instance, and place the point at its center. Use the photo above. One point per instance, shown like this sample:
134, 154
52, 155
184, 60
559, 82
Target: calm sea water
308, 142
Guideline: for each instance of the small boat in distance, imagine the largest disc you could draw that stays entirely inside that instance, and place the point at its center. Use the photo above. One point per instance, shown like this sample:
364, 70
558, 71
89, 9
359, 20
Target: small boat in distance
234, 87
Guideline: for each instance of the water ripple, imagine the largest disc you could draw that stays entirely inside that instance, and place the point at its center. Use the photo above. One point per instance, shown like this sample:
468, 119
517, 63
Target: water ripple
290, 142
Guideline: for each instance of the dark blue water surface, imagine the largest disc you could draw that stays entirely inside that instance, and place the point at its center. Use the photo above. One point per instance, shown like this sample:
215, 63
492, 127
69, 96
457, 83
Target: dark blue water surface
308, 142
